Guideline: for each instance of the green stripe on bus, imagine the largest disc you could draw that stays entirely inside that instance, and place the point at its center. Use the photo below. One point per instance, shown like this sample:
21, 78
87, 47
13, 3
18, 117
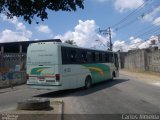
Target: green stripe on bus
38, 70
99, 72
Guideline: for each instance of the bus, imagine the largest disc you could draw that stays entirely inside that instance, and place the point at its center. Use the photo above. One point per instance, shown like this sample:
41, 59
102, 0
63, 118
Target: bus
59, 66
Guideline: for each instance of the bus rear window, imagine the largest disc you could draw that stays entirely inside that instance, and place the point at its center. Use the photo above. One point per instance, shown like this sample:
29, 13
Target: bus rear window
42, 55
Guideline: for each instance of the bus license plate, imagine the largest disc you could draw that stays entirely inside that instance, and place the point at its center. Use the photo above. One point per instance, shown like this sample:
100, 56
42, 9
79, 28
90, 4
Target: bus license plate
41, 78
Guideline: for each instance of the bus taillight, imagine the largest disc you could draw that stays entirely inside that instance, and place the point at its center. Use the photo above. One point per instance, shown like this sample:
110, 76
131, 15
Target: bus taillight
27, 77
57, 77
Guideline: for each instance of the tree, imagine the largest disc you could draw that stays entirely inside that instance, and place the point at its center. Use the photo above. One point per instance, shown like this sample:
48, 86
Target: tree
70, 42
29, 9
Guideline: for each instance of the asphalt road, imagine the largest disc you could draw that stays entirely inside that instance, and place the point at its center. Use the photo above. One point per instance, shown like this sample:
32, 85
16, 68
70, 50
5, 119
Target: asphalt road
122, 95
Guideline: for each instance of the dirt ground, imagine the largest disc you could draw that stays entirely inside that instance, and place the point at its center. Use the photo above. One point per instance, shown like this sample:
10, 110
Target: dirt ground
148, 77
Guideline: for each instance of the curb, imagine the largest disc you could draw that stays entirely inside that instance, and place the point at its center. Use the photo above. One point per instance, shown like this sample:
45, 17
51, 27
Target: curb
61, 110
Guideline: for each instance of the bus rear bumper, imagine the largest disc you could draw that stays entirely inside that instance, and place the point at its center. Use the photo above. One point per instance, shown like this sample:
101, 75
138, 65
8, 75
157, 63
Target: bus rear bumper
46, 87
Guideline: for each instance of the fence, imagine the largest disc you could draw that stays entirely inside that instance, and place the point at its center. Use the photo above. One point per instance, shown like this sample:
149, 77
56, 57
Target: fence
9, 60
12, 63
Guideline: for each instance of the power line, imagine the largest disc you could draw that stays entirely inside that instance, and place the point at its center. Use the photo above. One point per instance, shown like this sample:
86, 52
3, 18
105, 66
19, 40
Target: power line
132, 21
148, 32
105, 32
151, 32
150, 26
127, 24
135, 11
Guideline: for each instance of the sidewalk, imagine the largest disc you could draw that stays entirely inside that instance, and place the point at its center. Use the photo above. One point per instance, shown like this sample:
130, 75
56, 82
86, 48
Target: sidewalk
54, 113
9, 89
148, 77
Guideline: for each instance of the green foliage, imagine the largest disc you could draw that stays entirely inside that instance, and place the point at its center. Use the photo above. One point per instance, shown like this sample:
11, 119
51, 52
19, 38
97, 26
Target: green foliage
29, 9
70, 42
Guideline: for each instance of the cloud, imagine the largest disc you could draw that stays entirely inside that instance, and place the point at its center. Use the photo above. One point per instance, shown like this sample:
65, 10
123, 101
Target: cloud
20, 26
43, 29
157, 21
122, 5
22, 33
150, 17
147, 43
134, 40
120, 45
134, 43
14, 20
10, 36
125, 46
85, 35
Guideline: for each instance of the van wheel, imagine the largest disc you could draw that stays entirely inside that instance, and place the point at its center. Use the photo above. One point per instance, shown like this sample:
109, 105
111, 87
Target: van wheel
88, 82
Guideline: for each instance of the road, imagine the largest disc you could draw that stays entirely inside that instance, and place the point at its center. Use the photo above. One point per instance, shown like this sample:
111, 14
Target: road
122, 95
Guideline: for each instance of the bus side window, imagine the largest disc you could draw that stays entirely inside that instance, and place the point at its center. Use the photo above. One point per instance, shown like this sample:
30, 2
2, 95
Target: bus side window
64, 55
110, 57
100, 57
106, 57
79, 59
116, 61
103, 57
93, 57
89, 56
84, 56
97, 57
73, 56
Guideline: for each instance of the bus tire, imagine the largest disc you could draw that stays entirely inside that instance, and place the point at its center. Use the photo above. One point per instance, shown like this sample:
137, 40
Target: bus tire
113, 75
88, 82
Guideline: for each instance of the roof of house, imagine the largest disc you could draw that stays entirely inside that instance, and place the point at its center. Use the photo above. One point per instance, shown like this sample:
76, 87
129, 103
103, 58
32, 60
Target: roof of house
13, 47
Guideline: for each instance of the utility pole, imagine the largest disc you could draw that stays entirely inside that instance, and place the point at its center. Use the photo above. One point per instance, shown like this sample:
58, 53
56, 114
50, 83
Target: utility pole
107, 32
110, 38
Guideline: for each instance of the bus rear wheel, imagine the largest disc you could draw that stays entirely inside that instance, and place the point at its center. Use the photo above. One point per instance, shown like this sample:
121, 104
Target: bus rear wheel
88, 82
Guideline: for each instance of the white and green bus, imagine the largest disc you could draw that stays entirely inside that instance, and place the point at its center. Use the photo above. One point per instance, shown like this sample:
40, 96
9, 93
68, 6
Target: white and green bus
60, 66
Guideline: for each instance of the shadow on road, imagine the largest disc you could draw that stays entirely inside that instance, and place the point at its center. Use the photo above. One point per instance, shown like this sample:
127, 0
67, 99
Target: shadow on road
82, 91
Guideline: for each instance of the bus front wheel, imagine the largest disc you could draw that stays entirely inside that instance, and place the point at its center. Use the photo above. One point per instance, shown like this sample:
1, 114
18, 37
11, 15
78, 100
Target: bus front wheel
88, 82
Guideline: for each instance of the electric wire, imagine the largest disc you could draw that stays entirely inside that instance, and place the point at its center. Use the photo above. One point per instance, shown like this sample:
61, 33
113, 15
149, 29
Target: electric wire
132, 13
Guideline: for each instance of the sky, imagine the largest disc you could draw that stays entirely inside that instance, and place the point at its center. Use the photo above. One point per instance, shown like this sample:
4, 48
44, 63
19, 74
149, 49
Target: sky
134, 23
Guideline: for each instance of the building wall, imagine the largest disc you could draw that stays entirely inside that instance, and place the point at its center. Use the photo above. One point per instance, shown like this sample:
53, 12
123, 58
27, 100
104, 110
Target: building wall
18, 78
122, 59
13, 63
134, 60
153, 61
143, 60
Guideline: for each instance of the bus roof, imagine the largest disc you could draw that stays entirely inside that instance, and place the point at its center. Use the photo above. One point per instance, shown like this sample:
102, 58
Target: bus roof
58, 43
